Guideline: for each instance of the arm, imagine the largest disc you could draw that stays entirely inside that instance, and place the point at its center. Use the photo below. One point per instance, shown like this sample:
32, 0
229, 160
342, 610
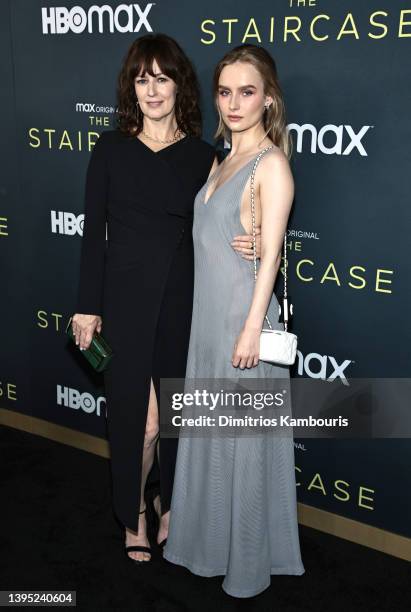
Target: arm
275, 187
92, 258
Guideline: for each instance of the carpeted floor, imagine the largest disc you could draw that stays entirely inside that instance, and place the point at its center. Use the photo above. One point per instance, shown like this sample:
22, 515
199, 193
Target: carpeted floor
58, 532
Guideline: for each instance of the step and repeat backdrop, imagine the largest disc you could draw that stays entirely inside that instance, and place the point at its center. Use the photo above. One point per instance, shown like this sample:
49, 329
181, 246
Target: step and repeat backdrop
344, 67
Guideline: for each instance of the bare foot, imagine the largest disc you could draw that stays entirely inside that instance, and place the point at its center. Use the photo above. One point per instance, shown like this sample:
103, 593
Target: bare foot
164, 520
138, 538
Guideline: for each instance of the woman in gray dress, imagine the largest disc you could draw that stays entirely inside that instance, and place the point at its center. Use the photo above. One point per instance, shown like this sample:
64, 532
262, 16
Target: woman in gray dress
234, 509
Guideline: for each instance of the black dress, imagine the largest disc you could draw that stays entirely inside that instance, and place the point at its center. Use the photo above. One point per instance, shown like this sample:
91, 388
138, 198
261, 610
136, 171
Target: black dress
141, 283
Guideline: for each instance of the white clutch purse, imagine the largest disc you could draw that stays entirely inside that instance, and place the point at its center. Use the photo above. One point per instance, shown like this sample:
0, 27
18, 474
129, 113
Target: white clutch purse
276, 346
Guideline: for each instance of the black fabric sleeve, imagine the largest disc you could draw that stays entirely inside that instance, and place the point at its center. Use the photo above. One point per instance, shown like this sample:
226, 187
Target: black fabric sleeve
93, 246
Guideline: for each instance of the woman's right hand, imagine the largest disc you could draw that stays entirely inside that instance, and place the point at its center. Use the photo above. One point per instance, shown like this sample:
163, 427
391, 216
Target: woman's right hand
84, 326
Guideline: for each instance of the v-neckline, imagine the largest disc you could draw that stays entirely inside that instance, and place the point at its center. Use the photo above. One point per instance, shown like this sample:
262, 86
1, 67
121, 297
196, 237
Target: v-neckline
205, 203
164, 148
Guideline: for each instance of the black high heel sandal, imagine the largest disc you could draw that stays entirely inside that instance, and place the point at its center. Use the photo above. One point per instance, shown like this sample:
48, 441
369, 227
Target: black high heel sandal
157, 522
162, 544
145, 549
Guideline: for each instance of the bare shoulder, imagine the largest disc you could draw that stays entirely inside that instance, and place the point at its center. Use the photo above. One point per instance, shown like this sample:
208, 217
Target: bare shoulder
274, 160
274, 169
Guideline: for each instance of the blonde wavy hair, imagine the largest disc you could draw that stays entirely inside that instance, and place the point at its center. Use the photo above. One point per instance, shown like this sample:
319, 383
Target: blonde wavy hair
274, 119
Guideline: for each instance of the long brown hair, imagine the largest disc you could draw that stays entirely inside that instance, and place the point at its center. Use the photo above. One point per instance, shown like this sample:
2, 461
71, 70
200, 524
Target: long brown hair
174, 63
274, 120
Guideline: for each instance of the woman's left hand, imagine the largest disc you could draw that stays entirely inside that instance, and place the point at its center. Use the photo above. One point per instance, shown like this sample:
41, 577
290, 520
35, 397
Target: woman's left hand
246, 349
244, 245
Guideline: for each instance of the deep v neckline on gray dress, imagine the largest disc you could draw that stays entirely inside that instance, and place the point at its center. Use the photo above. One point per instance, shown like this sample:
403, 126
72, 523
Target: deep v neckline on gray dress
206, 202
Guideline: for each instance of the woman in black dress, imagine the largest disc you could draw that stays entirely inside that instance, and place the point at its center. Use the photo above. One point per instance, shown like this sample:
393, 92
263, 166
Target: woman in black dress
138, 288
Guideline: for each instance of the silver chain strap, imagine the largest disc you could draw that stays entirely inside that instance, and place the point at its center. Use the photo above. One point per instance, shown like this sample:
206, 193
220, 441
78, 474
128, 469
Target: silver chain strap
254, 246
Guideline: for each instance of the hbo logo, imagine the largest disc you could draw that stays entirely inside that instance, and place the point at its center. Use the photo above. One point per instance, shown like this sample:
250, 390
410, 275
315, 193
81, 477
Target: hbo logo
76, 400
66, 223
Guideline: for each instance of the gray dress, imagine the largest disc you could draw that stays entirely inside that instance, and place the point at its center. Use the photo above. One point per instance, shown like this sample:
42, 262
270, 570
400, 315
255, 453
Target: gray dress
233, 508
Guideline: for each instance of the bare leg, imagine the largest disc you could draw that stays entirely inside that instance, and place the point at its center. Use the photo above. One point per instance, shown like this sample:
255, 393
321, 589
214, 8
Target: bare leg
139, 538
165, 518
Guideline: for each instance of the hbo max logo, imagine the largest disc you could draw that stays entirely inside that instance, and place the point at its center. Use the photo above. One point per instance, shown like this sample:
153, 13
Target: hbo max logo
71, 398
66, 223
123, 18
341, 139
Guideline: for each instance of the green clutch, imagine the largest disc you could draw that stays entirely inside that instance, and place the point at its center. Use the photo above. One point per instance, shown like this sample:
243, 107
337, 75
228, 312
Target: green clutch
98, 354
